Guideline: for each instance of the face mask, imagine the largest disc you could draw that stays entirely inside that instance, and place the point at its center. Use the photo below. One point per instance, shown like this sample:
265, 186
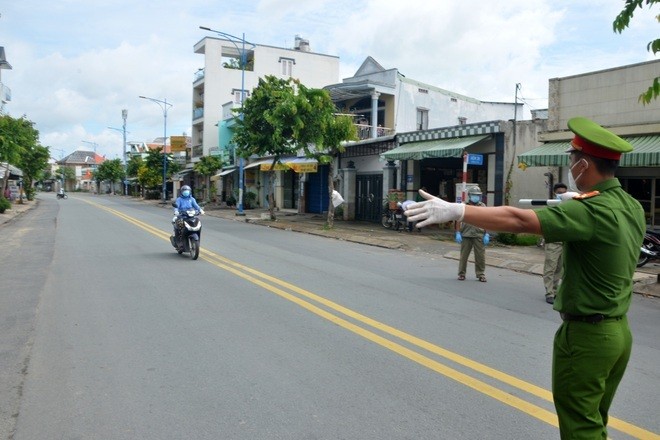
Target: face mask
572, 181
185, 193
475, 199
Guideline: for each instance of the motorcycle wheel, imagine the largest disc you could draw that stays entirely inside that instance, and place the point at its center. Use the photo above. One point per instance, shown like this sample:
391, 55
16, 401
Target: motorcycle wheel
386, 221
642, 260
194, 248
65, 196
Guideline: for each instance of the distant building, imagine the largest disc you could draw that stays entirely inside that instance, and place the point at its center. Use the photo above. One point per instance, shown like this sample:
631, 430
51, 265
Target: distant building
83, 163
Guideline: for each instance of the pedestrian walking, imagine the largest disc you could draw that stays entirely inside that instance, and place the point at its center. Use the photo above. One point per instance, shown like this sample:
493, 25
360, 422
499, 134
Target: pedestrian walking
552, 266
602, 230
472, 237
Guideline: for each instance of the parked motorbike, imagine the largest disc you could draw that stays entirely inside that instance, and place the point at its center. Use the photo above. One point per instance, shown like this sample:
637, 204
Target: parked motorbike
650, 248
188, 233
393, 218
62, 196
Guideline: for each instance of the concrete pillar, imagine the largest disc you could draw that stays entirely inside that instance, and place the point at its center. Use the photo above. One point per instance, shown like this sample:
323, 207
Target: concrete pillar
349, 190
374, 114
389, 182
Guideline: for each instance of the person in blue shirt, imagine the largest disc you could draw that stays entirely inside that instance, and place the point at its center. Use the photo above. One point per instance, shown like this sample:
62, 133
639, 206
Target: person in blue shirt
184, 202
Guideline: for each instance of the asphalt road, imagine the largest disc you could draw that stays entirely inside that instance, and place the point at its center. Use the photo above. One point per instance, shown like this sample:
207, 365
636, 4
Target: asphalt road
108, 333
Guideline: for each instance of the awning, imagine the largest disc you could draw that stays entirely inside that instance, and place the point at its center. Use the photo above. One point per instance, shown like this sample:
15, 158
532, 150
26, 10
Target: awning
646, 153
451, 147
257, 163
222, 173
13, 171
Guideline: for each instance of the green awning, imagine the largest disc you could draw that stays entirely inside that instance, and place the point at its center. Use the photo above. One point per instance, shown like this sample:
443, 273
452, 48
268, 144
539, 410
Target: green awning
646, 153
451, 147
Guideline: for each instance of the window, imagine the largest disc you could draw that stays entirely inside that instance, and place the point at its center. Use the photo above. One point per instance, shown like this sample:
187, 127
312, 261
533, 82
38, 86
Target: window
287, 66
237, 95
422, 119
462, 120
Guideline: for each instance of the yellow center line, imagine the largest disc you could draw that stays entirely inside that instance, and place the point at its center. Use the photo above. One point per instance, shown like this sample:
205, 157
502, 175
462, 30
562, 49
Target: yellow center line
269, 283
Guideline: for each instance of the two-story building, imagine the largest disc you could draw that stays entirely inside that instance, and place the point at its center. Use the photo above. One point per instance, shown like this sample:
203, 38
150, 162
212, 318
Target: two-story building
413, 135
83, 163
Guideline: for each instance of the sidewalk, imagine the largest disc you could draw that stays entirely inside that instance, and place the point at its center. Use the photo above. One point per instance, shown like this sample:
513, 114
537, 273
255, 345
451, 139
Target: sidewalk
432, 241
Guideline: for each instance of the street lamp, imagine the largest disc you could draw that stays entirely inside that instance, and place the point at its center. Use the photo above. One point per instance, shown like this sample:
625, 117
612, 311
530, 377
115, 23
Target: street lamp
233, 39
165, 106
124, 115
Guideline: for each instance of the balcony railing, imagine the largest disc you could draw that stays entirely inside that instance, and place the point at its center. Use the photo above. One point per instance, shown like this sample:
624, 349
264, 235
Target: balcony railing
198, 151
365, 131
199, 75
198, 113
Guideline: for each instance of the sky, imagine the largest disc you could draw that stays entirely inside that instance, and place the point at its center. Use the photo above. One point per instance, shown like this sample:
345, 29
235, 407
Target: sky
77, 63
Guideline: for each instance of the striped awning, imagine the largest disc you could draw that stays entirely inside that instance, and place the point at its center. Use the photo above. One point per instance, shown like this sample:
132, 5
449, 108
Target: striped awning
451, 147
646, 153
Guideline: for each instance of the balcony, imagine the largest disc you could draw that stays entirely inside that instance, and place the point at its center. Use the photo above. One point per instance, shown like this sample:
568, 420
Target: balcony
198, 113
198, 75
364, 131
5, 93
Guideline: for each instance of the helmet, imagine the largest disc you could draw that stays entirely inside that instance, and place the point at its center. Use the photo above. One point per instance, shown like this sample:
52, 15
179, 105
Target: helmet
186, 191
474, 190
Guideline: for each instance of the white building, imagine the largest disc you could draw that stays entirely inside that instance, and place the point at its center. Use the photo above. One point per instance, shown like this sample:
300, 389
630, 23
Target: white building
218, 88
392, 110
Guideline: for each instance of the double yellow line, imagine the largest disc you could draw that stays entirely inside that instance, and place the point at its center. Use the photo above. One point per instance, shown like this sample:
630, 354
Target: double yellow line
324, 308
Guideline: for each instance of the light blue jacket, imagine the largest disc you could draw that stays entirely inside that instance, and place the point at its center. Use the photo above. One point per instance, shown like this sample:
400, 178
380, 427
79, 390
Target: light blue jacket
185, 203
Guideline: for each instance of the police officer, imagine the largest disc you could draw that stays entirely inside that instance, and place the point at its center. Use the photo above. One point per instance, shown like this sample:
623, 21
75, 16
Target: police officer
602, 231
552, 266
472, 237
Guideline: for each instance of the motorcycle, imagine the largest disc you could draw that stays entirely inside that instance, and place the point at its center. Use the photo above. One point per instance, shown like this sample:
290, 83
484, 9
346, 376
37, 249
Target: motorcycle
188, 232
62, 196
392, 218
650, 248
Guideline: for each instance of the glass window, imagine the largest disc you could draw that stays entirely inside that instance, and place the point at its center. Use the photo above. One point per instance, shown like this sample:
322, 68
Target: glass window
422, 119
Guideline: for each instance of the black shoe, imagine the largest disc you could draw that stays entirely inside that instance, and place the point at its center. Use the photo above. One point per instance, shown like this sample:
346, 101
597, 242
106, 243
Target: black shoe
550, 299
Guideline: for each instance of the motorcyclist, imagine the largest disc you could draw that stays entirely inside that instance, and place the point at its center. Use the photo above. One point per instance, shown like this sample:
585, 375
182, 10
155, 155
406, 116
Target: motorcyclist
184, 202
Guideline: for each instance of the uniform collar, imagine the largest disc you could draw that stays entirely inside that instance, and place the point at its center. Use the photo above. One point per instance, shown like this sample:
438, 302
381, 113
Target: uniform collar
606, 185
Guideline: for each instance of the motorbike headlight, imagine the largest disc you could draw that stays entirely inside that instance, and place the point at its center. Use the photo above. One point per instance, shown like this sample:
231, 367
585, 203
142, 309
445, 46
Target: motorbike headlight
190, 212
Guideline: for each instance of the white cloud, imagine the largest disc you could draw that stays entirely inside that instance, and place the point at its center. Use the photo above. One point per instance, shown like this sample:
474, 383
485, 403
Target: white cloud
77, 64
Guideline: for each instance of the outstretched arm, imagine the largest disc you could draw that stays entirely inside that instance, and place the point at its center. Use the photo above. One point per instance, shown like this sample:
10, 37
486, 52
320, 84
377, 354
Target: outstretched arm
499, 218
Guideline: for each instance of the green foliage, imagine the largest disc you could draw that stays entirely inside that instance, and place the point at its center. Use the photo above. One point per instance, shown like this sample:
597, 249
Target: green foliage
249, 199
110, 170
4, 205
517, 239
133, 166
208, 165
621, 22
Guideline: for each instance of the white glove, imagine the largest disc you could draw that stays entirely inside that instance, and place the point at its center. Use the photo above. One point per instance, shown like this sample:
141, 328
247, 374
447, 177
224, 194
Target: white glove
568, 196
174, 219
201, 211
176, 212
434, 210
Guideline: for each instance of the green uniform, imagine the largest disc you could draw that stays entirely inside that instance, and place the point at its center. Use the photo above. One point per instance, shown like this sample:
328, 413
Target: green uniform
473, 238
602, 235
552, 268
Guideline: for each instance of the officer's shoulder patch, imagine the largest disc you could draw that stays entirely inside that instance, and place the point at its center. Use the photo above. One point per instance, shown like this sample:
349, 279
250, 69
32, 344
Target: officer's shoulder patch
587, 195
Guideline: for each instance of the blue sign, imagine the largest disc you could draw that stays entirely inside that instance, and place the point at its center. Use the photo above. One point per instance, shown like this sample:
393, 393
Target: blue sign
475, 159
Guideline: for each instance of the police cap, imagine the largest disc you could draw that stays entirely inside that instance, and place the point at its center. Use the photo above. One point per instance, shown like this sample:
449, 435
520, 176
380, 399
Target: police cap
474, 190
594, 140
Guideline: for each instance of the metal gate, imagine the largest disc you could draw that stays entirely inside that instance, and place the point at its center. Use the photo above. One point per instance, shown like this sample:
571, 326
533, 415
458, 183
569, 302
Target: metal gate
369, 197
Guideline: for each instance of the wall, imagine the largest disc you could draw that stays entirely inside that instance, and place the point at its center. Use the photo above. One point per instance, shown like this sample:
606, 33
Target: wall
610, 97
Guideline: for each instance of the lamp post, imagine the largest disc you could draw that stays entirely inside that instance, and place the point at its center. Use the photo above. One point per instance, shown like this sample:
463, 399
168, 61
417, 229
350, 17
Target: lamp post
124, 115
234, 40
164, 105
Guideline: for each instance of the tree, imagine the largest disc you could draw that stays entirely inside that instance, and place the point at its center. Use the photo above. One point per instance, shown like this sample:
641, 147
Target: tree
33, 161
322, 132
621, 22
15, 136
207, 166
150, 174
110, 170
265, 124
282, 117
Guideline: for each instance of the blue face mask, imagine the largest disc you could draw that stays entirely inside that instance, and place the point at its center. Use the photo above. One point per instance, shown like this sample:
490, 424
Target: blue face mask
475, 199
185, 193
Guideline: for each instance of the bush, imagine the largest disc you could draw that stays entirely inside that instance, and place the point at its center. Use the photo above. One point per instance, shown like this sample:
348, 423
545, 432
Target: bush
4, 205
517, 239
